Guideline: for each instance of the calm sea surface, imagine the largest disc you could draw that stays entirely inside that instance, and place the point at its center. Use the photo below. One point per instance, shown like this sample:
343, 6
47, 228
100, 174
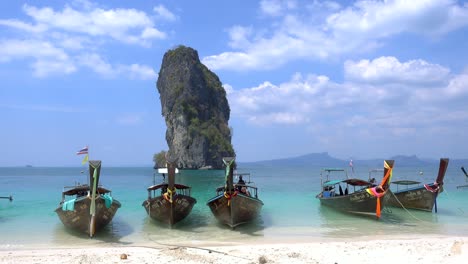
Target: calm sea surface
291, 211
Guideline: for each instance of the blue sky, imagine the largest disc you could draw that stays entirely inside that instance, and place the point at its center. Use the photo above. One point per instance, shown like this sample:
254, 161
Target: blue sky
358, 79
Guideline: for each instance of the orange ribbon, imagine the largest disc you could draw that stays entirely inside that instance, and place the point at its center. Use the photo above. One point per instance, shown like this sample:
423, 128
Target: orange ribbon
373, 191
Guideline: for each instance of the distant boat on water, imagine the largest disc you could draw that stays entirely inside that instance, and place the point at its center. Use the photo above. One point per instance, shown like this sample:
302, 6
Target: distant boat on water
359, 196
7, 198
422, 197
91, 206
466, 177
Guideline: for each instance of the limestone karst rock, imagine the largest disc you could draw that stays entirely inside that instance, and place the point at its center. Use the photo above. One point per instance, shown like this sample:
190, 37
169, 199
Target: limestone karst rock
195, 109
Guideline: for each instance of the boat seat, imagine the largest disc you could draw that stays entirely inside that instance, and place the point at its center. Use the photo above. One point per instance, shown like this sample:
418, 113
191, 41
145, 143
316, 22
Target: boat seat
326, 194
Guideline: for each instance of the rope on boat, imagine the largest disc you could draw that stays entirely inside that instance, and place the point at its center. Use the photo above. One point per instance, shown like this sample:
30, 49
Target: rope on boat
446, 192
387, 210
148, 203
402, 206
175, 246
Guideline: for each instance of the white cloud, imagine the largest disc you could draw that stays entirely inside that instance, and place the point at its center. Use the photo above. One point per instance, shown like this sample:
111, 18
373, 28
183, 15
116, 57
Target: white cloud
228, 88
23, 26
24, 48
271, 7
149, 33
99, 65
140, 72
458, 86
43, 68
285, 103
390, 70
118, 24
278, 117
62, 41
354, 29
382, 19
164, 13
71, 43
276, 7
371, 103
47, 58
239, 36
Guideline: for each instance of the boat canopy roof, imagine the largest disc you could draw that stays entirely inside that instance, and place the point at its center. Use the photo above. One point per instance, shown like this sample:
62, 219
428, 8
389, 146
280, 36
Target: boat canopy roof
177, 186
406, 182
352, 182
332, 169
84, 188
241, 174
357, 182
164, 170
331, 183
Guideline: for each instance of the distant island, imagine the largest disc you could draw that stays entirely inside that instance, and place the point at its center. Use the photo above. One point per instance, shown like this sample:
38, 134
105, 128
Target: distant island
325, 160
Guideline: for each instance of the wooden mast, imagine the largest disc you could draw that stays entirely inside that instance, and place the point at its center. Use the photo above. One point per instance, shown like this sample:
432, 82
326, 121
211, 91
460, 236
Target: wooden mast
442, 169
171, 175
171, 190
94, 172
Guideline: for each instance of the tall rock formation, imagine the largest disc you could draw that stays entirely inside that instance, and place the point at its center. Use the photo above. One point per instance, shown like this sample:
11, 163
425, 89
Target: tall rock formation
196, 111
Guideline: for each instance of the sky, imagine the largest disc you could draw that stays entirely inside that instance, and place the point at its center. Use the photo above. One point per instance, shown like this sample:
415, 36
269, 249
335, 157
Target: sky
356, 79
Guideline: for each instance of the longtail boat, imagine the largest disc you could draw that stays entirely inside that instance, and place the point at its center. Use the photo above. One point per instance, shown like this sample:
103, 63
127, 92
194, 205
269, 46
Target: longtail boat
421, 197
88, 207
169, 202
466, 175
7, 197
355, 196
237, 204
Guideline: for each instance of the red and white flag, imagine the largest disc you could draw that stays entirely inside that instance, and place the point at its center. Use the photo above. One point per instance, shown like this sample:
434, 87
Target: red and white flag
82, 151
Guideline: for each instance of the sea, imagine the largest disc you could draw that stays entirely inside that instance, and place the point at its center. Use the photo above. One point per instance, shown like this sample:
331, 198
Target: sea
291, 211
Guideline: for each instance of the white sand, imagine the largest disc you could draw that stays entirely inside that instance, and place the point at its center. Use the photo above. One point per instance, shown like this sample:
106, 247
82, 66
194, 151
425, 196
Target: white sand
395, 251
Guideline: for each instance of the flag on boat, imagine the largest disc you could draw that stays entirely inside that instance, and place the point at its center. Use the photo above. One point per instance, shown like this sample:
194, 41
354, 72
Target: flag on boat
82, 151
351, 163
86, 158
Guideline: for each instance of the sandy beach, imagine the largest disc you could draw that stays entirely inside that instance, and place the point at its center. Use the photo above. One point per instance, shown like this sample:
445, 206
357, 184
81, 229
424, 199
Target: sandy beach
421, 250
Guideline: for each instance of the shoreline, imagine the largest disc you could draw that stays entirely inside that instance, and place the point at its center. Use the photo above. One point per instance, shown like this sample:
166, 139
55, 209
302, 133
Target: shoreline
391, 249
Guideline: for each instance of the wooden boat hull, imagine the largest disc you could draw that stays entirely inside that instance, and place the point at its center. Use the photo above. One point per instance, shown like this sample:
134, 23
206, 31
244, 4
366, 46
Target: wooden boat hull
418, 198
360, 202
163, 211
79, 219
242, 209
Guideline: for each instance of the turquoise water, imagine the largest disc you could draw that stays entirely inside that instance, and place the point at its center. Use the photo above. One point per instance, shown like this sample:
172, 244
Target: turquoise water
290, 212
